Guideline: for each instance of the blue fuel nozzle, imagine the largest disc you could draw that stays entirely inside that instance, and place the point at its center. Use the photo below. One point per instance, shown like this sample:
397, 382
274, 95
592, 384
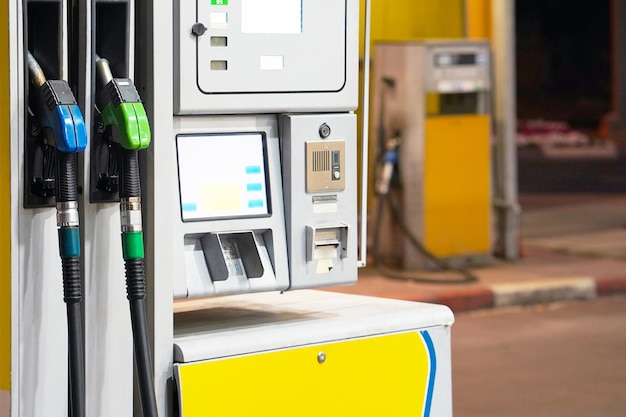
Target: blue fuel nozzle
60, 112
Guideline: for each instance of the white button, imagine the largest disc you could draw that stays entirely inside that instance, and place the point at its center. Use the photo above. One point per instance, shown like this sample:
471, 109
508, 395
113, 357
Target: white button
337, 174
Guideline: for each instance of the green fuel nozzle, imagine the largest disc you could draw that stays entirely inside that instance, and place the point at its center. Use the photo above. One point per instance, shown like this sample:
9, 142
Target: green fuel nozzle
120, 106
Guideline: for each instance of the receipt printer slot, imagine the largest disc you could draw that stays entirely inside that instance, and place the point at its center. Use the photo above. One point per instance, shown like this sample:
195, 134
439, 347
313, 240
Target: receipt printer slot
327, 242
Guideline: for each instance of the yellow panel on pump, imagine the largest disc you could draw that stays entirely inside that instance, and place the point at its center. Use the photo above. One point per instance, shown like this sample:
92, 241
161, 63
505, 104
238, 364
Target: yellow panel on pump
5, 207
457, 185
390, 375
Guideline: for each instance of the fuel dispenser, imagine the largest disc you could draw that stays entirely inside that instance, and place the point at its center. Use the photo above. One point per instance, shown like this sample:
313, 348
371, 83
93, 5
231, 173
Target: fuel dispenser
433, 99
238, 181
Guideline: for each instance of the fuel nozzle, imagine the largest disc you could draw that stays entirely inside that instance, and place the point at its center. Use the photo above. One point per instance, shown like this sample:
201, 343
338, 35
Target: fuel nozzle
58, 110
389, 161
120, 106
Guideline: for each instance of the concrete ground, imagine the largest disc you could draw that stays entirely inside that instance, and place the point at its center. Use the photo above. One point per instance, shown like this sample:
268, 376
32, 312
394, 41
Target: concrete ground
556, 360
573, 247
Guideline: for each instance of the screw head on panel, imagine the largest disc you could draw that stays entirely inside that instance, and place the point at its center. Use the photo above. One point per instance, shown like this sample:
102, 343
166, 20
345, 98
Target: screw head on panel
321, 357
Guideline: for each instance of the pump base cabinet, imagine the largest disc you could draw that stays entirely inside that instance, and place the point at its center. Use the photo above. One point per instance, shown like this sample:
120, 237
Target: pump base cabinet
312, 353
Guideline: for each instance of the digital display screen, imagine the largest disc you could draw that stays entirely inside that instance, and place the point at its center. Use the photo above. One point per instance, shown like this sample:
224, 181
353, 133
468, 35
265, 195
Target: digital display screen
271, 16
448, 60
222, 176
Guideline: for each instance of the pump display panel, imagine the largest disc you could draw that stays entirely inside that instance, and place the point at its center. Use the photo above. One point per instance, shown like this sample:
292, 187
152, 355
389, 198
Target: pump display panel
222, 176
460, 59
265, 56
261, 46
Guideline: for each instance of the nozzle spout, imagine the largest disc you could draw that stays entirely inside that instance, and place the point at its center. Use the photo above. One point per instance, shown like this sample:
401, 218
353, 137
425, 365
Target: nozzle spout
103, 72
37, 76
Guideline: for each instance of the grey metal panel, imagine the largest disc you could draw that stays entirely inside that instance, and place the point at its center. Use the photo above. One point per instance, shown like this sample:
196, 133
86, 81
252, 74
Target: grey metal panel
156, 75
320, 40
108, 336
328, 45
478, 74
193, 278
42, 338
251, 323
300, 210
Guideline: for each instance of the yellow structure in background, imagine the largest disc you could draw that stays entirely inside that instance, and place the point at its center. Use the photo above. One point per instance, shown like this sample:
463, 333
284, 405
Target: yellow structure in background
479, 19
403, 20
457, 186
5, 203
417, 19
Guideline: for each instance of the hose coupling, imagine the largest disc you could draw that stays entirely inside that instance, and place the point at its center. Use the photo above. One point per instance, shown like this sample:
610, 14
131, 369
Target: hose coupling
67, 214
130, 214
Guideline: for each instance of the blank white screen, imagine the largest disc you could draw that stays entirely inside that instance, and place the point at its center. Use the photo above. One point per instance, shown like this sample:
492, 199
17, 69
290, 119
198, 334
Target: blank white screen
271, 16
222, 176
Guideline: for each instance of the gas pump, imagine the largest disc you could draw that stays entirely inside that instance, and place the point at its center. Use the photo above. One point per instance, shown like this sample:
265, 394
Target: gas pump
434, 99
239, 201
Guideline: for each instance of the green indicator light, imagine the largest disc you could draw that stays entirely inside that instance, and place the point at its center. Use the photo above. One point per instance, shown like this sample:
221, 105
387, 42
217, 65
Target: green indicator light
219, 2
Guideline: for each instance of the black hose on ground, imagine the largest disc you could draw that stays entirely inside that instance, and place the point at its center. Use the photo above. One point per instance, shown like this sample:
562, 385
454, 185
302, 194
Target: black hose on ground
466, 276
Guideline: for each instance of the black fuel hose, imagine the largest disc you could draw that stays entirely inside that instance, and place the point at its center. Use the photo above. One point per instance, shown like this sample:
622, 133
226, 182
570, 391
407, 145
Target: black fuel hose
465, 275
130, 195
69, 244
